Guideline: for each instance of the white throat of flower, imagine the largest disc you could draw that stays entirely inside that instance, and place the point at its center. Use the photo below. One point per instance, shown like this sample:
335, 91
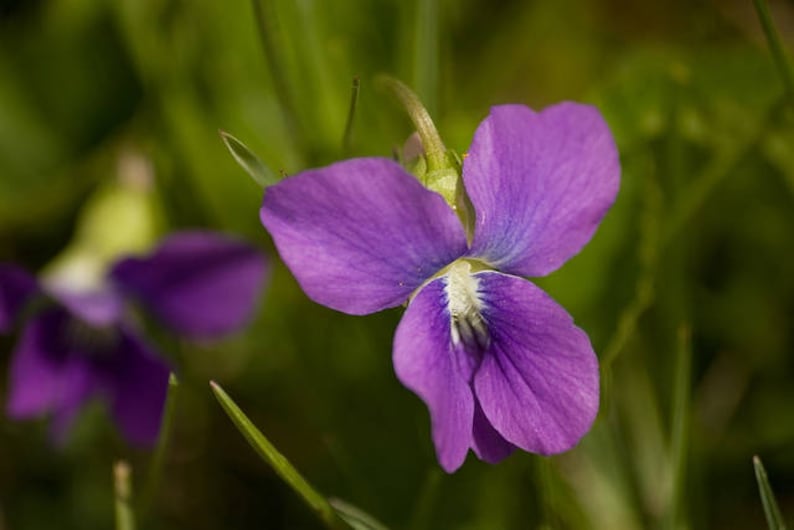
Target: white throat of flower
465, 307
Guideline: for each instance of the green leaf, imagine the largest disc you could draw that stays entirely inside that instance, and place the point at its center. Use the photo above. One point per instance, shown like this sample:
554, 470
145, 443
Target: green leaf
356, 517
251, 163
773, 517
267, 451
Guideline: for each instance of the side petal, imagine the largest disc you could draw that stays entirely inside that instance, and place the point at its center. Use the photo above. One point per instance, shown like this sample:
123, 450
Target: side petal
139, 380
201, 284
425, 362
540, 184
538, 379
362, 234
16, 288
47, 373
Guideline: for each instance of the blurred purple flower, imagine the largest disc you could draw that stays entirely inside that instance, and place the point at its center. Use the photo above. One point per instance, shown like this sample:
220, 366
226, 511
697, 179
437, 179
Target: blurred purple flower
499, 364
84, 344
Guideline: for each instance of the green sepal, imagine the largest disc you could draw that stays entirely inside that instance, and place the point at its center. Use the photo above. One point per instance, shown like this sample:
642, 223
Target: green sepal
247, 160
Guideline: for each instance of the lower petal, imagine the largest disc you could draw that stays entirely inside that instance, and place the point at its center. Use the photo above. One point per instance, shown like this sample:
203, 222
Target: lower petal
36, 367
139, 381
538, 380
425, 362
49, 374
488, 444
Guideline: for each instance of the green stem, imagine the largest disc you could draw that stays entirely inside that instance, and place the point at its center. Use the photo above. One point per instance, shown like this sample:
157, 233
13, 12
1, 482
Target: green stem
435, 152
122, 482
351, 114
775, 45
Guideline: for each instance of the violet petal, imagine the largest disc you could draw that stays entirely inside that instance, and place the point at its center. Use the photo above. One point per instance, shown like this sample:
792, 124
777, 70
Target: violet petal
540, 184
48, 373
201, 284
102, 307
425, 362
16, 288
139, 389
362, 234
538, 379
488, 444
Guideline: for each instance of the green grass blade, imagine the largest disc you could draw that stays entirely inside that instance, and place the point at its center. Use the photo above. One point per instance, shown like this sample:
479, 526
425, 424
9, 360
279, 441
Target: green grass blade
316, 502
122, 485
775, 45
356, 517
347, 137
155, 471
426, 53
251, 163
425, 502
648, 255
275, 45
774, 519
682, 383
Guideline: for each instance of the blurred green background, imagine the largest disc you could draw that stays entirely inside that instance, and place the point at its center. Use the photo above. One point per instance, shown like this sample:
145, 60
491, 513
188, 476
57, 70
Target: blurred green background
687, 290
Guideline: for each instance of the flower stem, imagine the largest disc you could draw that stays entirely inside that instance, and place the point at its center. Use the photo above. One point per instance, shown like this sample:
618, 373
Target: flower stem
122, 482
435, 152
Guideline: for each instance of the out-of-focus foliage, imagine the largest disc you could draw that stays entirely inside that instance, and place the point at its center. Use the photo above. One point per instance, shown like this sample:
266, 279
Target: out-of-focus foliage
699, 240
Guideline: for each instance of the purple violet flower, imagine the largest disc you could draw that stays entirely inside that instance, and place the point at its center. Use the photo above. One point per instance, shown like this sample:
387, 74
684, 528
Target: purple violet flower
499, 363
83, 345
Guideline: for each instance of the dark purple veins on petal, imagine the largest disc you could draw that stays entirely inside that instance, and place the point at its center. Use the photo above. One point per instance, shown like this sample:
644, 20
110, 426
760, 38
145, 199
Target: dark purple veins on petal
361, 235
540, 183
538, 381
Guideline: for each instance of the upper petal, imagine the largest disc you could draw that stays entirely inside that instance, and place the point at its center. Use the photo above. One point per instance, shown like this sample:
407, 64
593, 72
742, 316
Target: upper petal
540, 184
16, 288
538, 379
426, 361
139, 379
201, 284
362, 234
